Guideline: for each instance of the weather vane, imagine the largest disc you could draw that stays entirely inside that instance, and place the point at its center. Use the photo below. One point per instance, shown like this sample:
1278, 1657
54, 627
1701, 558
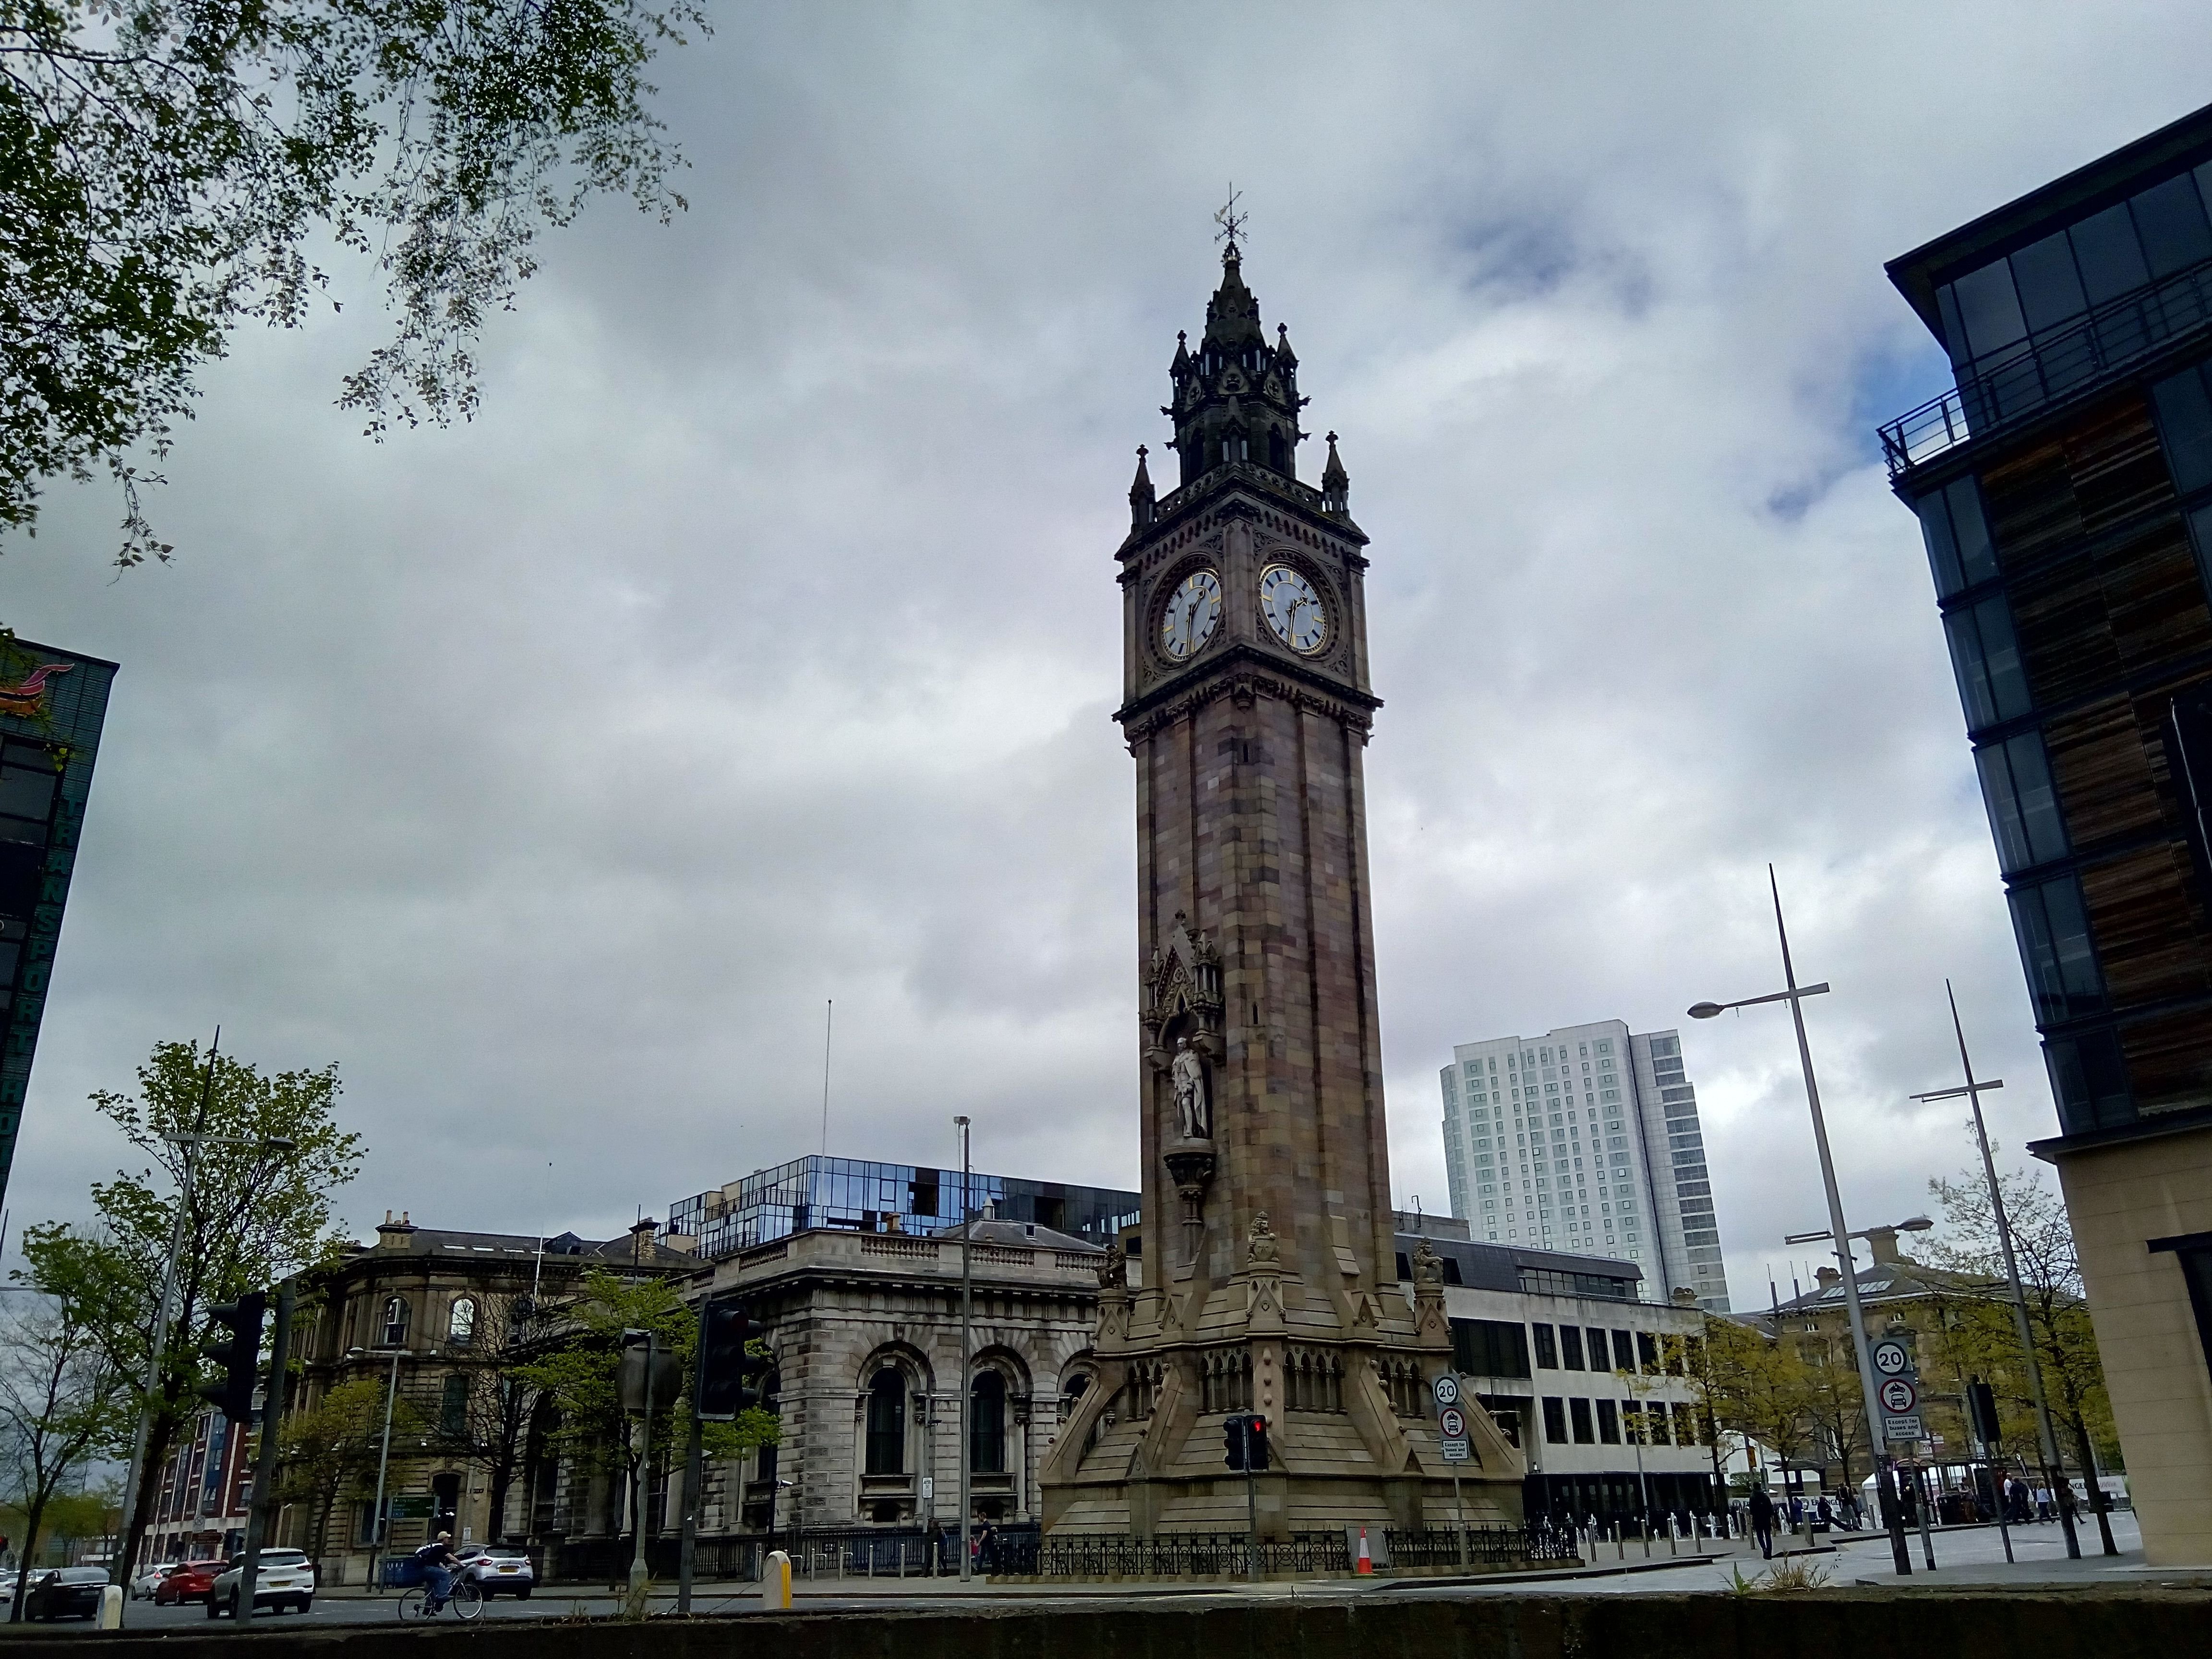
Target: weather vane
1231, 221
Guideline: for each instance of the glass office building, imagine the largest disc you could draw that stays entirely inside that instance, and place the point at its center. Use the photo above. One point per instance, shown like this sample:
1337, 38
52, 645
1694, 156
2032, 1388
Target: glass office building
52, 704
2064, 488
859, 1196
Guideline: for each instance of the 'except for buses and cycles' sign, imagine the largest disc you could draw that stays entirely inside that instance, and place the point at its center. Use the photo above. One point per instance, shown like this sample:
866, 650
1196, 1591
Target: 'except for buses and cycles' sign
1451, 1420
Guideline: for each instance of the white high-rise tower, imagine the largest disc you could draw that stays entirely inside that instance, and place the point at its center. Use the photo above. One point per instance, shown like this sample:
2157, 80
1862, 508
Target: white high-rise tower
1586, 1139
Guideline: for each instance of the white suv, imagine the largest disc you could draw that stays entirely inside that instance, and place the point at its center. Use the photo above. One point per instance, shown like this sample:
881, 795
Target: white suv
286, 1579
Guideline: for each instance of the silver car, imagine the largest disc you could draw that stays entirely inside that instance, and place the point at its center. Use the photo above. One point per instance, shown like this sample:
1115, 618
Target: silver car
498, 1570
285, 1578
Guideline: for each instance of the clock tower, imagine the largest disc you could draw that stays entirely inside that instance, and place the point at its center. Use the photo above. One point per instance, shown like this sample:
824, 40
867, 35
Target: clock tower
1264, 1277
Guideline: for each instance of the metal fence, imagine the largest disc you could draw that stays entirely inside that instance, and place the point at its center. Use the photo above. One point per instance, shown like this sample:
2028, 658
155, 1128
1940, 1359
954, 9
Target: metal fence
1021, 1551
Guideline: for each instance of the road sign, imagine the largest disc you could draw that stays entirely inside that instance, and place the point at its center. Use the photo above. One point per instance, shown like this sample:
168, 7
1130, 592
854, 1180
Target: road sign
1898, 1396
1457, 1452
1896, 1429
1451, 1422
1446, 1389
1891, 1359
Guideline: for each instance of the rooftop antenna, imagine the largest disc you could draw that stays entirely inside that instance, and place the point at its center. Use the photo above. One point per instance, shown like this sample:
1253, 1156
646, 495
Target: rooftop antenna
829, 1013
1231, 221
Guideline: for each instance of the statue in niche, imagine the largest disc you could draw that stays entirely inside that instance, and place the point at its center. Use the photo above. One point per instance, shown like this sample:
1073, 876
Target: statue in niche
1187, 1072
1114, 1270
1428, 1265
1264, 1249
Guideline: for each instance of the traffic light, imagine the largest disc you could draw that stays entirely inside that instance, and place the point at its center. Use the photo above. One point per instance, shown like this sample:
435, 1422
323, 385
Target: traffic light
1244, 1439
1982, 1409
729, 1377
240, 1356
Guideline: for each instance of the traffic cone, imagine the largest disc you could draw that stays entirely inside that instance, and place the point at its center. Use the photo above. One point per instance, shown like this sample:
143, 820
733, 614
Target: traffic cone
1365, 1566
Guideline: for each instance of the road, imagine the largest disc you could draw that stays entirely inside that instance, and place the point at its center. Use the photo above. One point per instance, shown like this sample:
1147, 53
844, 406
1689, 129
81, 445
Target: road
1972, 1556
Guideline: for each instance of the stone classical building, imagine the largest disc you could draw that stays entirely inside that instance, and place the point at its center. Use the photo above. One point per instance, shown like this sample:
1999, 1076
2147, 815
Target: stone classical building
865, 1329
429, 1312
2064, 491
1267, 1226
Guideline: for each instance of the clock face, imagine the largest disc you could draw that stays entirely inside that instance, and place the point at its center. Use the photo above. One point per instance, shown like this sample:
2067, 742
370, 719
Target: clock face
1193, 611
1294, 609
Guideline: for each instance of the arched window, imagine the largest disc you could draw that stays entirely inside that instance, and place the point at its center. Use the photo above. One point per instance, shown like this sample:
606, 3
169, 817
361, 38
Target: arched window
887, 1423
395, 1322
453, 1405
1278, 455
987, 1424
461, 1327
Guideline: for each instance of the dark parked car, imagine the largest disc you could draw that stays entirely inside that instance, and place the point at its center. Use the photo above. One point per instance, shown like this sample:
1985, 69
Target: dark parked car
65, 1593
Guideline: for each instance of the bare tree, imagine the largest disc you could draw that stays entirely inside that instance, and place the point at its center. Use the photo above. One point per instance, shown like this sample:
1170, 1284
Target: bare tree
62, 1403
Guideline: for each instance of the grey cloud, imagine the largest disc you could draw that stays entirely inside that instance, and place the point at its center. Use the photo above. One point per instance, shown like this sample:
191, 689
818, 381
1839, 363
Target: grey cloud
757, 645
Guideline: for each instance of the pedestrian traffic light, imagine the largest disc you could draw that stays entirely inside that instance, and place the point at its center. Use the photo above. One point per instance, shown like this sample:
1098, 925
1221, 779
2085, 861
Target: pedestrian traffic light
729, 1377
238, 1354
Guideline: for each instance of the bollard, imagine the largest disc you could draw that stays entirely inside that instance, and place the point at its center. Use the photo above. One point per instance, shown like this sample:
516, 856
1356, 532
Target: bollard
110, 1608
776, 1581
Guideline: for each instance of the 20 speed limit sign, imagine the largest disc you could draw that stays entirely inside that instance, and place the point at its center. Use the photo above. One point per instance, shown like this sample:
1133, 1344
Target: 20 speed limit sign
1446, 1389
1451, 1423
1899, 1397
1890, 1357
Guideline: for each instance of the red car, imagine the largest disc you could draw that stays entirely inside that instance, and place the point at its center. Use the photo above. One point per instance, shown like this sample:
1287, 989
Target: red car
192, 1581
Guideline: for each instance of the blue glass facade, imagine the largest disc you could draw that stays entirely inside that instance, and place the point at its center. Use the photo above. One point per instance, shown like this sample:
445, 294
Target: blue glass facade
859, 1196
52, 704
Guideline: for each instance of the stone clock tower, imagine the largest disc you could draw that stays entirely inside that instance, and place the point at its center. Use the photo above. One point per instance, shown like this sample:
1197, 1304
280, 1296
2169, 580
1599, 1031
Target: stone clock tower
1265, 1277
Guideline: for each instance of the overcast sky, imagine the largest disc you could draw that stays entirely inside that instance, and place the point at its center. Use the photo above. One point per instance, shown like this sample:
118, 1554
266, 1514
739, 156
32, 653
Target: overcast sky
756, 644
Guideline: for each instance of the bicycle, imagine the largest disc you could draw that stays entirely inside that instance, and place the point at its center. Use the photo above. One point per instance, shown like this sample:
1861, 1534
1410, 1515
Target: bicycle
466, 1600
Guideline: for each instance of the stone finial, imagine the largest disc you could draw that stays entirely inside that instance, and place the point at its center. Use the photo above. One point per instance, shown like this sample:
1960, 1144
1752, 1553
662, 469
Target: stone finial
1141, 498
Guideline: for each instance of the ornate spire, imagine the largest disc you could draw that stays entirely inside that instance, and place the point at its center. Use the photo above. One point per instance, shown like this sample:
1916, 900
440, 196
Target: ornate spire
1335, 482
1235, 395
1141, 493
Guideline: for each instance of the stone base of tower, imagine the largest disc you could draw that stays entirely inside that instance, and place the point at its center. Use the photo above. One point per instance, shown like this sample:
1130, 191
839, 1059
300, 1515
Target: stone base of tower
1351, 1428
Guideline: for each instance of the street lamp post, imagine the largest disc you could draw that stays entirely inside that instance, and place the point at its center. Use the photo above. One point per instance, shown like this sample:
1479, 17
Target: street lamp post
383, 1462
967, 1334
2053, 1471
1795, 996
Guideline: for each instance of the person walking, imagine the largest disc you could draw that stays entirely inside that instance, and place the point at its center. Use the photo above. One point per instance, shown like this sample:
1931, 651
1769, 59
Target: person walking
1762, 1521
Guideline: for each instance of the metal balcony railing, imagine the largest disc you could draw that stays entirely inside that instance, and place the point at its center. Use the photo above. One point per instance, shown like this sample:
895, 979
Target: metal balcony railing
2052, 369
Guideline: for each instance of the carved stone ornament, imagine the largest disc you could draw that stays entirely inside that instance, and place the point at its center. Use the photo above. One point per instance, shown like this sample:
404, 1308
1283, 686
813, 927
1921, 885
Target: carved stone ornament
1113, 1268
1184, 978
1263, 1249
1428, 1265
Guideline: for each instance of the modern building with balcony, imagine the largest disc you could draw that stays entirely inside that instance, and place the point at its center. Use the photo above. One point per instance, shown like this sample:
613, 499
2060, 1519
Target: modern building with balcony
2064, 491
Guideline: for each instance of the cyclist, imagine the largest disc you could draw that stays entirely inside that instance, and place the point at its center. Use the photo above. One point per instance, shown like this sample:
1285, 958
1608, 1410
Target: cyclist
437, 1561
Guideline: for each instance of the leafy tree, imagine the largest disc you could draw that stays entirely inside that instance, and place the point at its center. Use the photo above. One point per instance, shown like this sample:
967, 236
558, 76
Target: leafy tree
252, 1215
329, 1452
169, 164
1759, 1386
1985, 1334
576, 1371
62, 1404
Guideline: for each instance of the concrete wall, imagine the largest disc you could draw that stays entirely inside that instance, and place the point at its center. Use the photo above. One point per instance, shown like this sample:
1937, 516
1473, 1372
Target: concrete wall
2120, 1198
2112, 1624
